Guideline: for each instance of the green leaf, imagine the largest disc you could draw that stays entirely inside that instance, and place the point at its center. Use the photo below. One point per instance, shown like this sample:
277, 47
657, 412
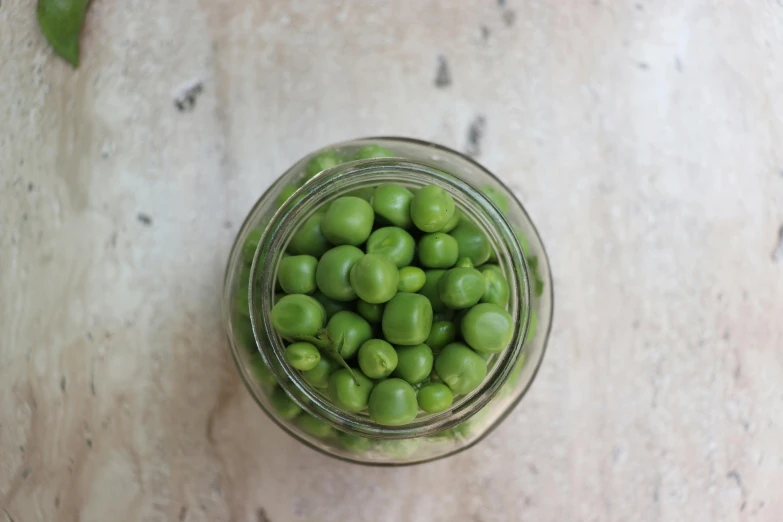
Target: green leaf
61, 23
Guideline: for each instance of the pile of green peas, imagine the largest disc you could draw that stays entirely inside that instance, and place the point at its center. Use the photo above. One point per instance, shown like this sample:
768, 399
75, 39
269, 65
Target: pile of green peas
446, 325
390, 302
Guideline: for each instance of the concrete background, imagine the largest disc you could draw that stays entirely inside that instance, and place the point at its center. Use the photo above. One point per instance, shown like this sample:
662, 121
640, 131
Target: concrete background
645, 138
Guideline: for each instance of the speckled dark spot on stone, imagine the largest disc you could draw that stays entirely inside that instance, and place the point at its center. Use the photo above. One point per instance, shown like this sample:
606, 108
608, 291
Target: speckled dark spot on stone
442, 73
25, 473
485, 33
62, 383
261, 515
30, 187
509, 17
677, 64
475, 136
186, 101
777, 253
643, 65
183, 513
89, 443
144, 219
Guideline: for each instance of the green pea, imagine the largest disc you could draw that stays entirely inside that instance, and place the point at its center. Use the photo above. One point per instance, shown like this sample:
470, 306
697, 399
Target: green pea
285, 194
372, 312
349, 392
315, 427
461, 287
399, 448
321, 162
487, 328
261, 372
407, 319
437, 250
296, 274
496, 290
365, 193
308, 239
457, 319
453, 222
242, 301
514, 376
462, 369
298, 315
284, 405
414, 363
302, 356
318, 377
445, 315
419, 384
441, 334
411, 279
243, 333
392, 203
374, 278
243, 279
464, 262
251, 244
373, 151
435, 397
472, 242
377, 358
431, 208
61, 23
430, 289
332, 275
394, 243
330, 305
497, 197
355, 443
352, 329
524, 242
393, 403
348, 221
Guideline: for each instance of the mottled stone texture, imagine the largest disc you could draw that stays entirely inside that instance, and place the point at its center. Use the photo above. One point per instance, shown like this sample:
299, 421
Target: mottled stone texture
645, 138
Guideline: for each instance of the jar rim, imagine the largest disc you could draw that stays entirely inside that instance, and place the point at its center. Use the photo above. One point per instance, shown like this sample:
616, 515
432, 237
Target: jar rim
324, 187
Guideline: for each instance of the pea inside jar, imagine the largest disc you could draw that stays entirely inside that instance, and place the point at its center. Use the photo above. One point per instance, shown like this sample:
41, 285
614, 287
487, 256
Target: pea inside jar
387, 371
391, 300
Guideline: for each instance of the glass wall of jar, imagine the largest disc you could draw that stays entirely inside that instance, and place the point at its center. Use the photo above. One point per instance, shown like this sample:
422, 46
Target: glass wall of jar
356, 167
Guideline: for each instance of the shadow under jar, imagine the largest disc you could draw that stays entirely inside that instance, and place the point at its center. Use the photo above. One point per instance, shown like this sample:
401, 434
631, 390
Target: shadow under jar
356, 168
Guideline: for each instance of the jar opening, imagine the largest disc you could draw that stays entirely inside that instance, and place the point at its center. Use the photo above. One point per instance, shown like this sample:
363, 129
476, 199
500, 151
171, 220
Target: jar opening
350, 177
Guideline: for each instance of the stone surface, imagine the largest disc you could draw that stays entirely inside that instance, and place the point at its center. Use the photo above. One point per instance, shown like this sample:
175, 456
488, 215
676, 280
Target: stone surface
643, 137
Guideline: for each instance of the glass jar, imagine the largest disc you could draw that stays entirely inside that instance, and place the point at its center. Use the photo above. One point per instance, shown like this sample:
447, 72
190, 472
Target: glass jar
249, 293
